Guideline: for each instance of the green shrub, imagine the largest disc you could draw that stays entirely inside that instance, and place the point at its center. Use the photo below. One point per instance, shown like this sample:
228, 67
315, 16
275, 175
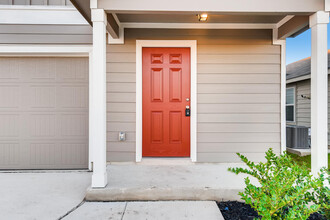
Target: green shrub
321, 194
286, 189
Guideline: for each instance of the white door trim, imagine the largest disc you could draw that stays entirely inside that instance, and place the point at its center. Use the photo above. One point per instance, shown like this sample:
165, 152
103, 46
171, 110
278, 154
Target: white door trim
192, 44
54, 51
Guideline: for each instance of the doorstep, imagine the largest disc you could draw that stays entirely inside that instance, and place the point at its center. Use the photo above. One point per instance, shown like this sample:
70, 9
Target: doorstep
145, 182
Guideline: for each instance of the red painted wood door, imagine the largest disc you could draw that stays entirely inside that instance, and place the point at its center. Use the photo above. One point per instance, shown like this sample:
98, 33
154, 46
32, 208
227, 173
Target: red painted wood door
166, 93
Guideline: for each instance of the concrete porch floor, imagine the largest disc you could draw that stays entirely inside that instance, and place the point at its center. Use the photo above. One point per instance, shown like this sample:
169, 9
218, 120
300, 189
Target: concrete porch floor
154, 180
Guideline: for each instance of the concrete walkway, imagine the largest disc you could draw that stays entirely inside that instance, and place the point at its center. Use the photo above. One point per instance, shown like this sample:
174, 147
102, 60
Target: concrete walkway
41, 195
150, 181
51, 195
176, 210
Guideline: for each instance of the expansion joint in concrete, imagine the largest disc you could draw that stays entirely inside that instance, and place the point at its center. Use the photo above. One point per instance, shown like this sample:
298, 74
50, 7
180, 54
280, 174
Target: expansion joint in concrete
72, 210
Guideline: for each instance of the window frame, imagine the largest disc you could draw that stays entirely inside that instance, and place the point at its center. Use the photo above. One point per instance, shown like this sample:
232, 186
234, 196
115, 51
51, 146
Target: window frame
294, 104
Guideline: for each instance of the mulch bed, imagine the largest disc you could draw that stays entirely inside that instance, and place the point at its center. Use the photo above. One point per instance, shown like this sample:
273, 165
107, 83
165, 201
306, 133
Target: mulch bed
241, 211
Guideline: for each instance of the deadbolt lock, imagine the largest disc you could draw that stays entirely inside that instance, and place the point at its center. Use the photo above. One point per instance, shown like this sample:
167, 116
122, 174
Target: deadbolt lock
187, 111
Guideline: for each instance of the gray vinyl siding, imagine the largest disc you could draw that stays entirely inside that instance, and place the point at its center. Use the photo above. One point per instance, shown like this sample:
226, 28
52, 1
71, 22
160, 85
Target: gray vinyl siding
238, 100
35, 2
45, 34
303, 106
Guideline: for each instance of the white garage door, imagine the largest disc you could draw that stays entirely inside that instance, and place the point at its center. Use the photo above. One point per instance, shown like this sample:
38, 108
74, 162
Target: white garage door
43, 113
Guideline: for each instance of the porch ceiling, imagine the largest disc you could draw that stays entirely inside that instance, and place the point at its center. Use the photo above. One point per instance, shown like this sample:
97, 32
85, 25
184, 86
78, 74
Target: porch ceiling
192, 18
222, 6
261, 13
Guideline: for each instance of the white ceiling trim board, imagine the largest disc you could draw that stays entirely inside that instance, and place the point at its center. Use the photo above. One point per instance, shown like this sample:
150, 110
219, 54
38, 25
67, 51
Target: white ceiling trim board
198, 25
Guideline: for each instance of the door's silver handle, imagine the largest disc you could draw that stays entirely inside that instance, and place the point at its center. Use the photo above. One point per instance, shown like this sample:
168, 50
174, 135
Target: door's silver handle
187, 106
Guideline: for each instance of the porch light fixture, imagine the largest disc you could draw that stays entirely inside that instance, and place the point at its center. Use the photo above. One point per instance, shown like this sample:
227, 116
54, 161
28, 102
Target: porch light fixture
202, 17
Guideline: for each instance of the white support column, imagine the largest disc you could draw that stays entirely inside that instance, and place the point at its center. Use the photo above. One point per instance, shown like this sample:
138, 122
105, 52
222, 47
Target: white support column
90, 114
282, 43
319, 91
98, 99
283, 96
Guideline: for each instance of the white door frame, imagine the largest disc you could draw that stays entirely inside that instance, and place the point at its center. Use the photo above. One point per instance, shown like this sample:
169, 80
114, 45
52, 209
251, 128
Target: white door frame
192, 44
35, 50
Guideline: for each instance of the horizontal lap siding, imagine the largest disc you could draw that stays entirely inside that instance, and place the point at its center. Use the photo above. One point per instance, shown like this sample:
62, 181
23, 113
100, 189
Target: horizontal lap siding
121, 89
303, 105
238, 99
238, 85
35, 2
45, 34
303, 109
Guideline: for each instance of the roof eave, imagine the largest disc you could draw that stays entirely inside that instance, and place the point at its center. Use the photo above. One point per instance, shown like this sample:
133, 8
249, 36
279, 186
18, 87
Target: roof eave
83, 6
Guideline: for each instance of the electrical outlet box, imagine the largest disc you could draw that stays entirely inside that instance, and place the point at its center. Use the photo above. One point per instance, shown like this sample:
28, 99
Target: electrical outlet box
122, 136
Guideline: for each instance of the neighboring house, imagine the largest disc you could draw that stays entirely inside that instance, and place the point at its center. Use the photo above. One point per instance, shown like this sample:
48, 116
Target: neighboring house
298, 93
165, 79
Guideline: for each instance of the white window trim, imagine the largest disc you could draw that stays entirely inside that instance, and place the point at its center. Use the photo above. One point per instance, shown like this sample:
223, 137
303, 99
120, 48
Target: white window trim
294, 104
192, 44
55, 51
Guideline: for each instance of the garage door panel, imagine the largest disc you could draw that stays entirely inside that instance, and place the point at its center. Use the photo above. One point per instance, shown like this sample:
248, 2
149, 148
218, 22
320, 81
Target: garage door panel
38, 69
9, 126
44, 154
9, 96
70, 153
9, 154
71, 70
42, 96
71, 96
42, 125
74, 125
9, 70
43, 113
63, 155
44, 69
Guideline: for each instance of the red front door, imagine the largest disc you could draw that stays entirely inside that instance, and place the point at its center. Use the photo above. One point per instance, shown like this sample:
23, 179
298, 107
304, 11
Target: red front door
166, 93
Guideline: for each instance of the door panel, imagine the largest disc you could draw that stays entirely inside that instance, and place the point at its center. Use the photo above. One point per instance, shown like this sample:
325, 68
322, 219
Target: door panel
166, 93
156, 85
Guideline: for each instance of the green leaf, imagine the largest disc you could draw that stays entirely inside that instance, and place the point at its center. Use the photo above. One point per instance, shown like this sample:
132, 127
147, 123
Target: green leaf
285, 188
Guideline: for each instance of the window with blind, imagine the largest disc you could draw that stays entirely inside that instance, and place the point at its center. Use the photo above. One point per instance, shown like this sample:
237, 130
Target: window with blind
290, 104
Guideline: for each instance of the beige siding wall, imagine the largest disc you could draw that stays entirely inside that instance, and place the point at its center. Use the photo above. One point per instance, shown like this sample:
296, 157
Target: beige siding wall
238, 89
35, 2
45, 34
303, 105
